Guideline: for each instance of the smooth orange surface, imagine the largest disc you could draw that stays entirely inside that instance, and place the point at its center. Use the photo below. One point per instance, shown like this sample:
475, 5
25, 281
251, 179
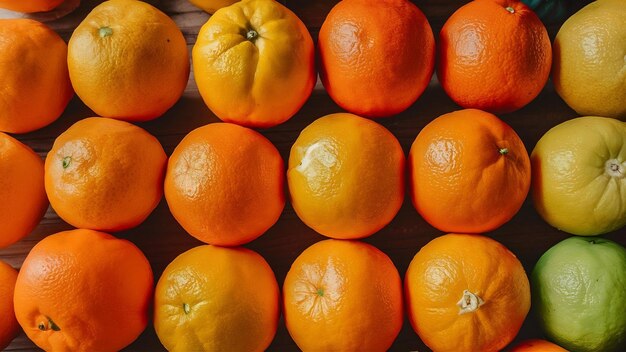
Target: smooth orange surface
22, 196
29, 6
343, 296
470, 172
376, 57
128, 60
35, 82
9, 327
537, 345
224, 184
83, 290
217, 299
436, 282
494, 55
105, 174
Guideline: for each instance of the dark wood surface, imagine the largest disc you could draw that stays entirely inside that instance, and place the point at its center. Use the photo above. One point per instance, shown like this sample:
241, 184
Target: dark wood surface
162, 239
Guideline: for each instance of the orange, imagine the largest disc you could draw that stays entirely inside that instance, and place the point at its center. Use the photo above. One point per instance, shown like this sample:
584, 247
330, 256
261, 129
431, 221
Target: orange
105, 174
9, 327
346, 176
470, 172
35, 82
217, 299
343, 296
83, 290
128, 60
211, 6
494, 55
376, 57
224, 184
22, 196
466, 293
253, 62
30, 6
536, 345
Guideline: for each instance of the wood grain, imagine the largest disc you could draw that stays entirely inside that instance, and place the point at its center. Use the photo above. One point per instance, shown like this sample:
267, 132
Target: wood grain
162, 239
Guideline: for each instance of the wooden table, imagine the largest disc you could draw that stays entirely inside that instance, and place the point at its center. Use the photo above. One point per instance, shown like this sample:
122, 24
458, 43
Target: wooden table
162, 239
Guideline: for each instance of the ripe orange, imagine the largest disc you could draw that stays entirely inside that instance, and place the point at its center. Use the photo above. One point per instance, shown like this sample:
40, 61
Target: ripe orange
30, 6
105, 174
536, 345
83, 290
376, 57
470, 172
9, 327
217, 299
35, 82
128, 60
346, 176
253, 62
343, 296
466, 293
224, 184
22, 196
210, 6
494, 55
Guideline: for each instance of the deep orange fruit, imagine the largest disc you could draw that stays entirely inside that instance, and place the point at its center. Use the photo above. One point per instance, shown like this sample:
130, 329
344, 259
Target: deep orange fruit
536, 345
8, 323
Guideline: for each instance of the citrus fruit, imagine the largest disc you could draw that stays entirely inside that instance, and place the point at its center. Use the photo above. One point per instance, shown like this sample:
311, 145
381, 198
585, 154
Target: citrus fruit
579, 294
466, 293
376, 57
469, 171
253, 62
579, 175
128, 60
22, 196
494, 55
346, 176
105, 174
217, 299
536, 345
35, 83
224, 184
30, 6
83, 290
589, 58
9, 327
343, 296
211, 6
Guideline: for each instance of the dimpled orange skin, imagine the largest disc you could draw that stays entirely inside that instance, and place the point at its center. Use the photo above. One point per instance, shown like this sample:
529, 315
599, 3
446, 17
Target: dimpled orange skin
376, 57
9, 327
105, 174
494, 55
83, 290
128, 60
35, 81
22, 196
536, 345
343, 296
30, 6
224, 184
469, 171
253, 63
437, 280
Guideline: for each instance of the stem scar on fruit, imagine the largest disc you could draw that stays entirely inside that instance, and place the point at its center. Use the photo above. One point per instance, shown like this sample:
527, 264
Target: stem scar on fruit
186, 308
105, 31
251, 35
66, 162
614, 168
510, 9
503, 151
469, 302
49, 326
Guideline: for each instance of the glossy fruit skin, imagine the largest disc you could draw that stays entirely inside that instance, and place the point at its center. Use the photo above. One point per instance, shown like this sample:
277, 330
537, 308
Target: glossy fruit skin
492, 59
83, 290
588, 69
30, 6
443, 270
105, 174
258, 82
22, 196
573, 188
536, 345
469, 171
579, 294
376, 58
9, 328
225, 184
210, 6
128, 60
232, 297
346, 176
343, 296
35, 82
